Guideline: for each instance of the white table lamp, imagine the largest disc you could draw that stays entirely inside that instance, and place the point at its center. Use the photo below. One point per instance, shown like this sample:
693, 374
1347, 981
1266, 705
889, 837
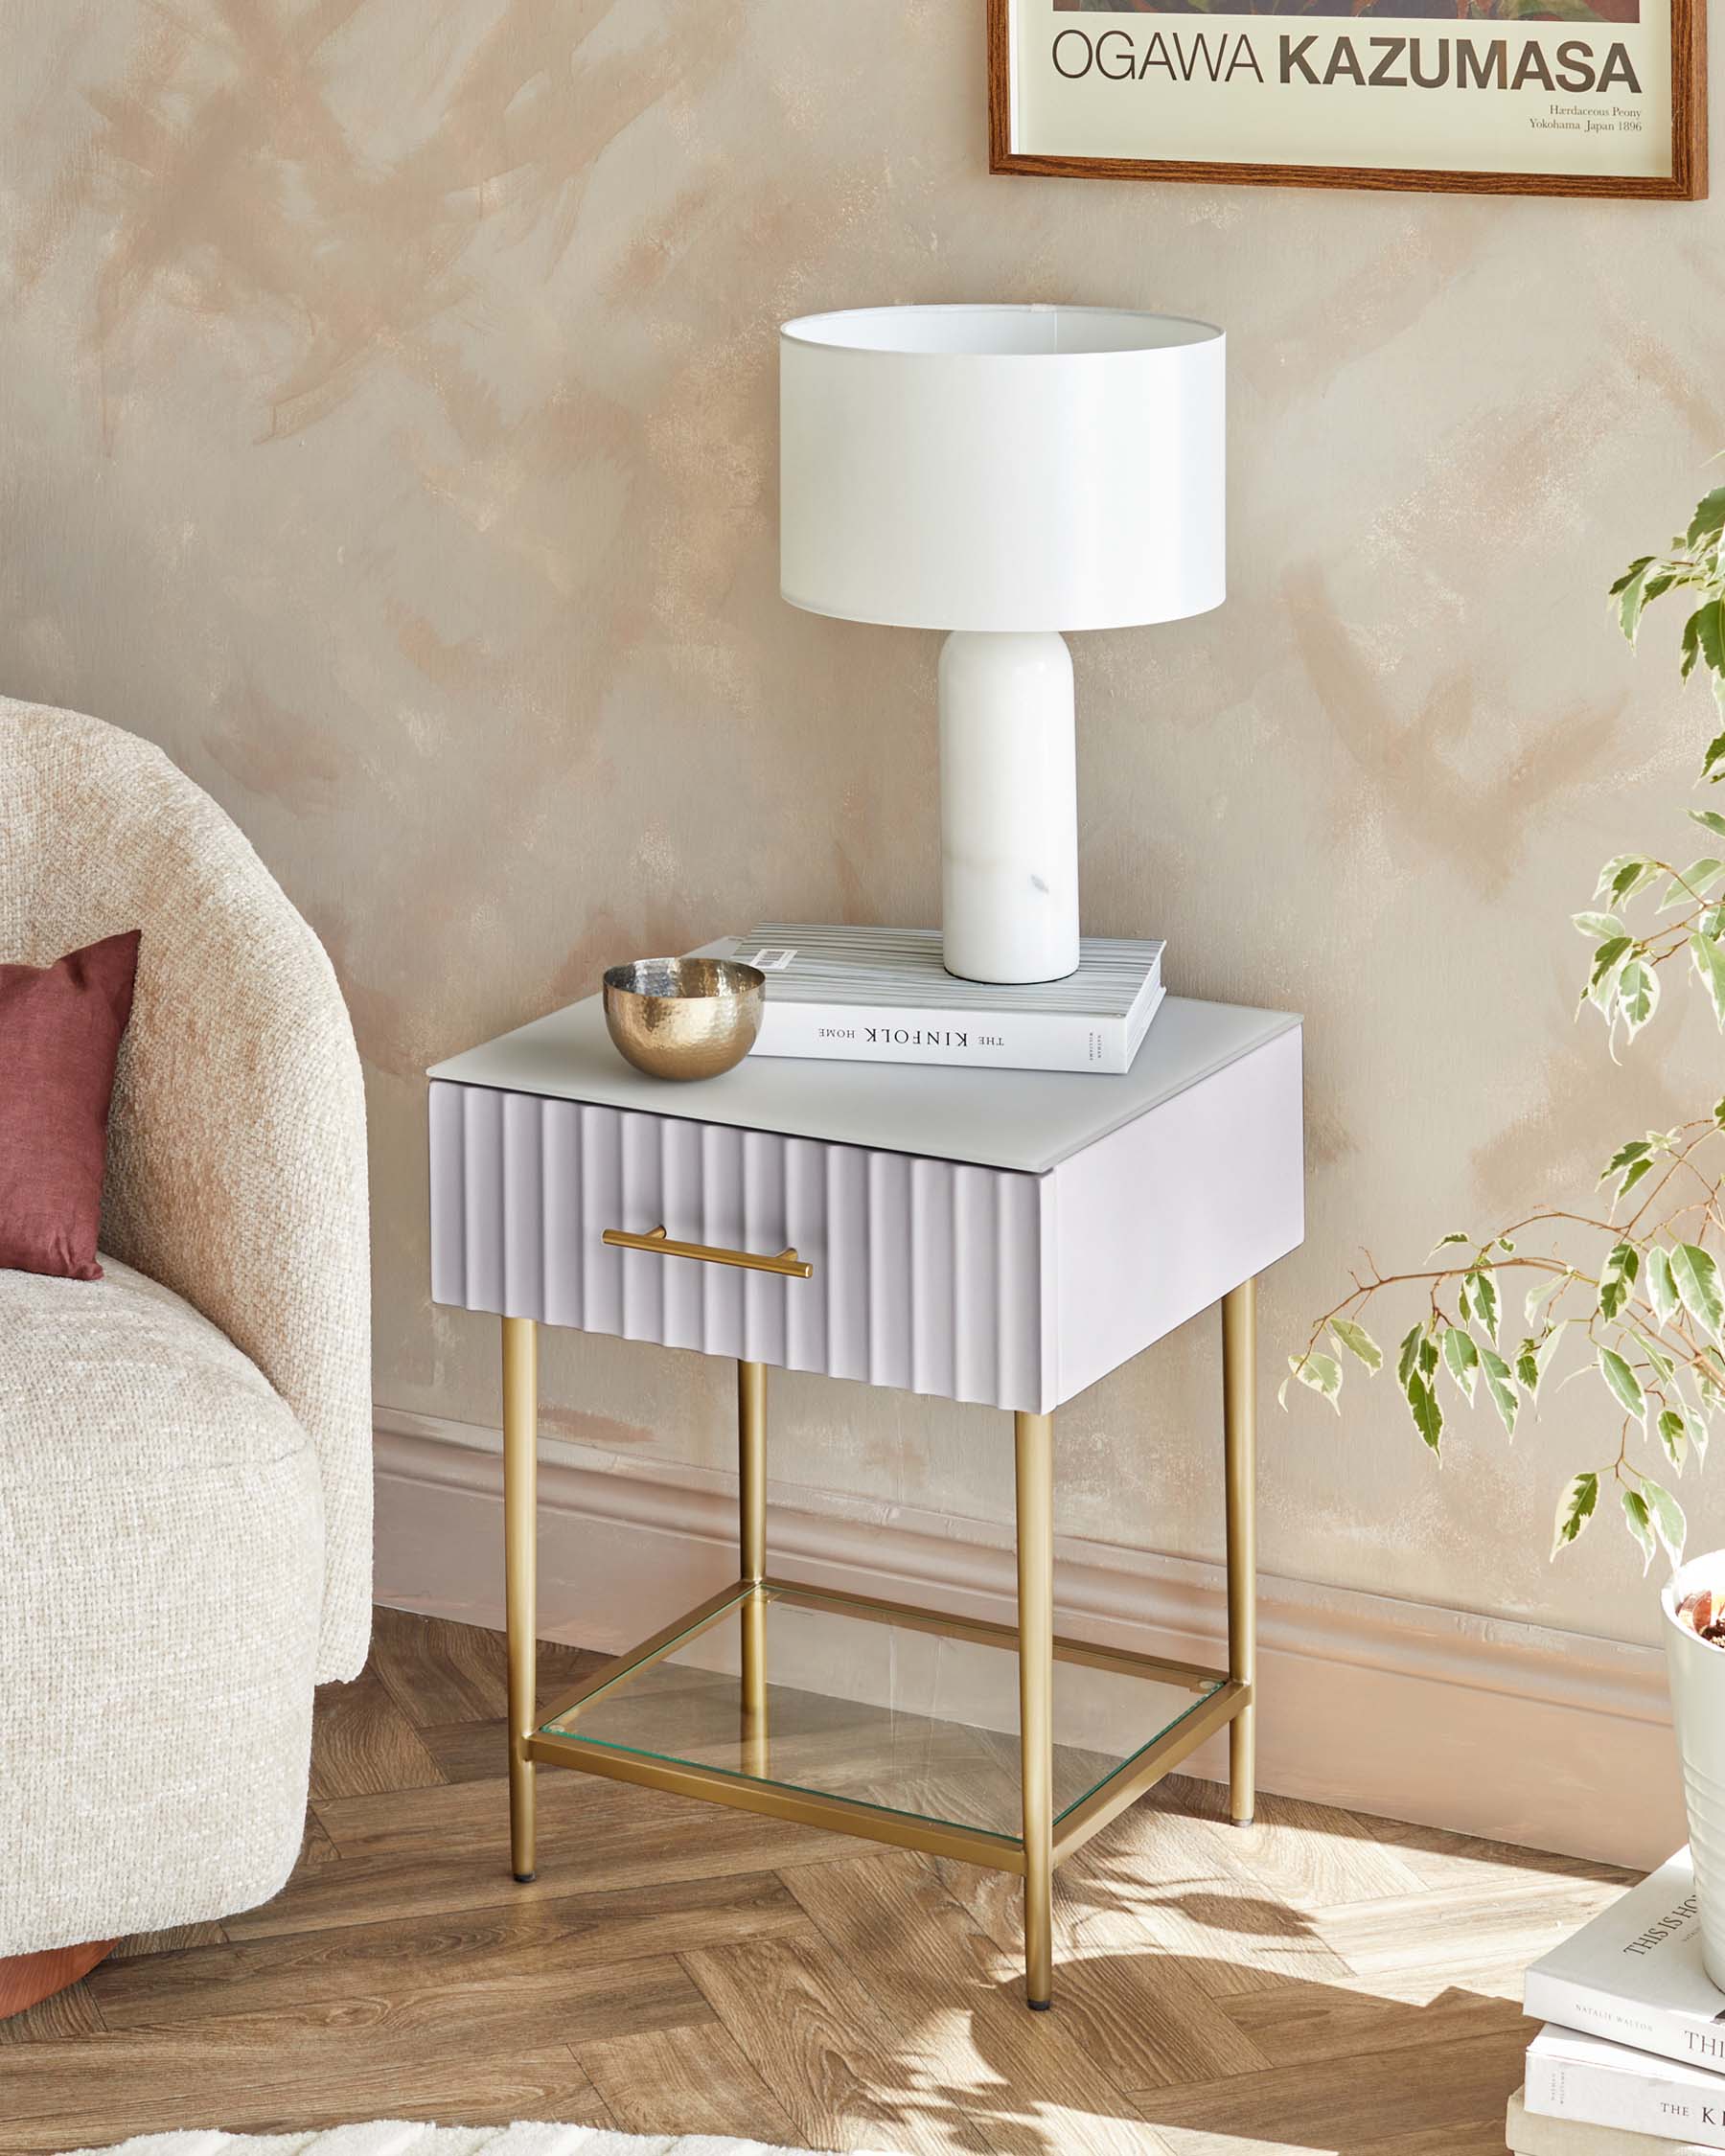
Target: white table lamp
1004, 473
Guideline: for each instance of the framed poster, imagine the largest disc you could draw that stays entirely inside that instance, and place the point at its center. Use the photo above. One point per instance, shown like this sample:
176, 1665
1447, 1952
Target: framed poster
1489, 97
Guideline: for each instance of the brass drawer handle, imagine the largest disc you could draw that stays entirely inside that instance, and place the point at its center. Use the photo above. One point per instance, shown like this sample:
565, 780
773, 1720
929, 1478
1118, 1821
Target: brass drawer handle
787, 1263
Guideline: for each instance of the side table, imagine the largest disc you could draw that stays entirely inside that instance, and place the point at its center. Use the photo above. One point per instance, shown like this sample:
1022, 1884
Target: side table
1002, 1237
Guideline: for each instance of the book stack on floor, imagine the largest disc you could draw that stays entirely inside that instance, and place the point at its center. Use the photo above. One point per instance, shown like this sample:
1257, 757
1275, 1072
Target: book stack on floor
1631, 2061
884, 996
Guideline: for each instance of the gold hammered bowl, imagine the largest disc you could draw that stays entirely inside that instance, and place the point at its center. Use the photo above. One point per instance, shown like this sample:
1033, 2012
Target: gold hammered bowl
684, 1018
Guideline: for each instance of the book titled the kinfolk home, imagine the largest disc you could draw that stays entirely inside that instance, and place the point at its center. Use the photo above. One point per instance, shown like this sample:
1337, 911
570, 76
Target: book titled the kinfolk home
1634, 1975
883, 996
1603, 2085
1529, 2135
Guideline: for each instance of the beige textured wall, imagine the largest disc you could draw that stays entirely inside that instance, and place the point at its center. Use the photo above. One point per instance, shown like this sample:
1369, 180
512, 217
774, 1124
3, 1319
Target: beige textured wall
386, 427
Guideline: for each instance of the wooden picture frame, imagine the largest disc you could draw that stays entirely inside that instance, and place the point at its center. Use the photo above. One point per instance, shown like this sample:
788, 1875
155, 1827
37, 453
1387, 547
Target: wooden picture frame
1049, 151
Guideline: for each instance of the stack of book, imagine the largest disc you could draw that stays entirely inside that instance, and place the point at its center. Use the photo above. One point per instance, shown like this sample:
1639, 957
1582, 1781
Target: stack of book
884, 996
1632, 2059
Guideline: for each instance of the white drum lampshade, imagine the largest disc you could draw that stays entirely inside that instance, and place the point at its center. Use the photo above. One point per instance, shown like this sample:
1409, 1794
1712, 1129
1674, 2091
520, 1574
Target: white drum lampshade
1004, 473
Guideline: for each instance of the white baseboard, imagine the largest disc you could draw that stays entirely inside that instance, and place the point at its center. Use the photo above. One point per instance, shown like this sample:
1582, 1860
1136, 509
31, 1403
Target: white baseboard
1553, 1740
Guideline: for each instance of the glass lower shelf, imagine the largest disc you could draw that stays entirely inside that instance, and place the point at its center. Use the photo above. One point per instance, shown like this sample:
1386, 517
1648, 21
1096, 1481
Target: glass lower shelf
815, 1693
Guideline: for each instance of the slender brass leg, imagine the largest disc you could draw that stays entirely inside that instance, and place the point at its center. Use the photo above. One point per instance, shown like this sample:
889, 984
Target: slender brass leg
751, 1546
521, 1569
1239, 1418
751, 1469
1035, 1446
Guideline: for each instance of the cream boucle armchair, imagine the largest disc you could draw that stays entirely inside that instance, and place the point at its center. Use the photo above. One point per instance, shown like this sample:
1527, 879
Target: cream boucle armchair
185, 1468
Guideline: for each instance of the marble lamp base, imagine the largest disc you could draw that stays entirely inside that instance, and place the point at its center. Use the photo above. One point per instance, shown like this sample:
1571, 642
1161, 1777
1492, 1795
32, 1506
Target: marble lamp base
1008, 806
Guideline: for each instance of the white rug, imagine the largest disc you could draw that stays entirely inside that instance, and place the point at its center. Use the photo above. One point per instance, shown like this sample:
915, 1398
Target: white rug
396, 2137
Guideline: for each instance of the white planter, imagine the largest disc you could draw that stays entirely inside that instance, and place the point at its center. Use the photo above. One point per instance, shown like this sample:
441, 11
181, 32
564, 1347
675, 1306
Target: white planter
1698, 1707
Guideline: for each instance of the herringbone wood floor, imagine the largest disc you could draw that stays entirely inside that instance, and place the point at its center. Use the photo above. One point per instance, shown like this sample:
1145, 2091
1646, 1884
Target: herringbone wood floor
1316, 1983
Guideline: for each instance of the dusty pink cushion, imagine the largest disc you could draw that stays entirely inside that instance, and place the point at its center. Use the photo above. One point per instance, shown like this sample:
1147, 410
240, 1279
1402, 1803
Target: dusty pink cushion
59, 1038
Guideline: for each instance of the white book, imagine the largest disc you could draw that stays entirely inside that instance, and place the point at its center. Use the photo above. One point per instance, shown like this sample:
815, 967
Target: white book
883, 996
1603, 2085
1529, 2136
1634, 1974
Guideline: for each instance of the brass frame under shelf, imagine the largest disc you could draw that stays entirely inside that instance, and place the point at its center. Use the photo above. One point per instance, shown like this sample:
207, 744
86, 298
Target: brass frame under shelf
1219, 1700
1048, 1838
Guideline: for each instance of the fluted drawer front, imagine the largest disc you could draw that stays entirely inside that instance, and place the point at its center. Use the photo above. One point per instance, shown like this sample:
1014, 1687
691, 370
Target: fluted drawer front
930, 1276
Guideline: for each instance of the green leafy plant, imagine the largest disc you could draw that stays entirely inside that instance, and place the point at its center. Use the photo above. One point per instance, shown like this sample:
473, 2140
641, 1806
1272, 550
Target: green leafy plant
1628, 1287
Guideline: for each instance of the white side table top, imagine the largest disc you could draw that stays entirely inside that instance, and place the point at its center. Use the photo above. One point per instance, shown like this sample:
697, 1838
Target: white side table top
1027, 1120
